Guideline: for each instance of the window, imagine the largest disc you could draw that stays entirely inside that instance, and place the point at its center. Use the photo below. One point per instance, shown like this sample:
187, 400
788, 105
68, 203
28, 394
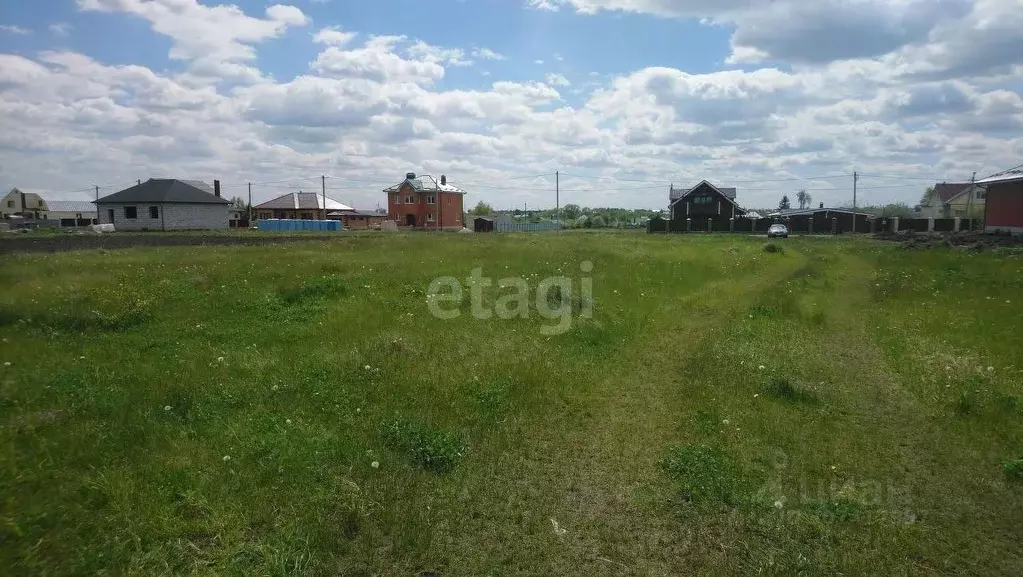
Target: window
131, 212
410, 199
397, 199
10, 204
431, 200
981, 193
430, 217
154, 212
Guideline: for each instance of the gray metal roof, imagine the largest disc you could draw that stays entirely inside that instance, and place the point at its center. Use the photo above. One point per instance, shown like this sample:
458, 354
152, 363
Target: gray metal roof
1011, 175
166, 190
354, 212
70, 205
302, 201
425, 183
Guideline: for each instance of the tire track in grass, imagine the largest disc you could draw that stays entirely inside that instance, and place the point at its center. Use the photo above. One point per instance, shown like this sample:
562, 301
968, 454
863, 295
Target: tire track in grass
588, 478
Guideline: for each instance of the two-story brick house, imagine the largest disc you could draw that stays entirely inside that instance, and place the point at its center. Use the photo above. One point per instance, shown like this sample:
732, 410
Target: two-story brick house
421, 201
701, 202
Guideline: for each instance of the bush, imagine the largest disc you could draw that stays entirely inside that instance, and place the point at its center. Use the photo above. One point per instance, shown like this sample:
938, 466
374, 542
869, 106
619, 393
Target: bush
431, 448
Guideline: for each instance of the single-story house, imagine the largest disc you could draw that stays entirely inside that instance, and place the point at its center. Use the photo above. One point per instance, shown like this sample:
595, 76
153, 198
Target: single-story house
955, 200
165, 204
1004, 209
353, 218
33, 205
299, 206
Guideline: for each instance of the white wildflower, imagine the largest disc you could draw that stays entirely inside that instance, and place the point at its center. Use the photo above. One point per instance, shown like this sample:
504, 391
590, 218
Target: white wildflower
368, 367
778, 504
725, 421
989, 369
227, 458
375, 464
7, 363
273, 388
167, 408
287, 421
762, 367
220, 359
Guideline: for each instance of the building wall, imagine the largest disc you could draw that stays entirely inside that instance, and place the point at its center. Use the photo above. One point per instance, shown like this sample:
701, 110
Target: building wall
446, 208
289, 213
171, 216
964, 206
1004, 207
11, 204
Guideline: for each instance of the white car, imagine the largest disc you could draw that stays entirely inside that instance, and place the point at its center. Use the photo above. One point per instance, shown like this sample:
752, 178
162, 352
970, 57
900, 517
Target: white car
777, 230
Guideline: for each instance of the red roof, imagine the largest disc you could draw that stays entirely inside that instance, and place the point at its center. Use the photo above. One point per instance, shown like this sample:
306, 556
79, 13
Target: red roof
946, 191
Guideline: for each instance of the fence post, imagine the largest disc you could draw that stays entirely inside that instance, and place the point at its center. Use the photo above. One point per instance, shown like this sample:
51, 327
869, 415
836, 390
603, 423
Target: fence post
809, 225
710, 225
930, 224
834, 225
895, 224
731, 225
955, 225
689, 225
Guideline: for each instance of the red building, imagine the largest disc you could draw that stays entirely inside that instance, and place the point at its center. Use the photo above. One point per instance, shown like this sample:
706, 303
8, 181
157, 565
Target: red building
421, 201
1003, 211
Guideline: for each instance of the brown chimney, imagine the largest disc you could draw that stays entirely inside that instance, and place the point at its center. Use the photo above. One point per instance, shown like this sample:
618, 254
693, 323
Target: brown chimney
443, 180
216, 188
822, 205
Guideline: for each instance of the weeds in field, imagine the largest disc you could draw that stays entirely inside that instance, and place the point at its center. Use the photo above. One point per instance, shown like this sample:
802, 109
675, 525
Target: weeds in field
315, 289
492, 400
431, 448
782, 388
1013, 468
706, 474
773, 248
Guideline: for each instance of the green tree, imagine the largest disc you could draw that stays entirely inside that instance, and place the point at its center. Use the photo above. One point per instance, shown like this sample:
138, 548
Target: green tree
803, 198
784, 204
927, 197
482, 209
582, 221
597, 222
570, 211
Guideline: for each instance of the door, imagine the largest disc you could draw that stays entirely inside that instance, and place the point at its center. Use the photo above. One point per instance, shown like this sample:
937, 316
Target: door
410, 219
110, 215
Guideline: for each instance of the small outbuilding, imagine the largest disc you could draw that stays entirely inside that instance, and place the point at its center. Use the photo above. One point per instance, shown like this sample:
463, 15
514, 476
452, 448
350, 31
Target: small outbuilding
483, 224
1003, 211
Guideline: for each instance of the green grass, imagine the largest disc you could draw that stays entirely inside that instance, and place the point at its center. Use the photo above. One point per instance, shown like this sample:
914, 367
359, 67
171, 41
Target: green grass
837, 407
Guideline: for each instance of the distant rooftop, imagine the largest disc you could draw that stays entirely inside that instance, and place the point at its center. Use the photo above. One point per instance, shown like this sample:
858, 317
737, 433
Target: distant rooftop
1011, 175
424, 183
302, 201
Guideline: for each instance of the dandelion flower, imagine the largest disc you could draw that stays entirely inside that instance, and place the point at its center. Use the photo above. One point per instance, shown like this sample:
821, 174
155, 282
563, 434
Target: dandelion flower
273, 388
375, 464
989, 369
167, 408
778, 504
7, 363
762, 367
227, 458
287, 421
833, 467
755, 395
368, 367
220, 359
725, 421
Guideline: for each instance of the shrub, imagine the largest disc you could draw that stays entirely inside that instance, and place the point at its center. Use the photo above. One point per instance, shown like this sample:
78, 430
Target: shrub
431, 448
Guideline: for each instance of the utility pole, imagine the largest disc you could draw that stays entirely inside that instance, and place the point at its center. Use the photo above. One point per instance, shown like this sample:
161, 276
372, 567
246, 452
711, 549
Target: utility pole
969, 201
97, 203
323, 188
856, 178
557, 195
250, 204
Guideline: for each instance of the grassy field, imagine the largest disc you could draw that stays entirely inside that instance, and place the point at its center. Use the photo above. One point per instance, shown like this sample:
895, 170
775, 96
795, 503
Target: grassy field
837, 407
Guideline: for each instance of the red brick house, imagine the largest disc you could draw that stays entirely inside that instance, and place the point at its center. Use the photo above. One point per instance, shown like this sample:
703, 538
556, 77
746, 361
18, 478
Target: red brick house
421, 201
1003, 211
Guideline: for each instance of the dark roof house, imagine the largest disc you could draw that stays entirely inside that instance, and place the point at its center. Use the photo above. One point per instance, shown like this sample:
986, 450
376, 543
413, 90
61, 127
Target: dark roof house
165, 204
307, 201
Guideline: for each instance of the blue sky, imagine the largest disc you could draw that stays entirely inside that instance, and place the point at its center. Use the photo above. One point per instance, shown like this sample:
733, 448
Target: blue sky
623, 97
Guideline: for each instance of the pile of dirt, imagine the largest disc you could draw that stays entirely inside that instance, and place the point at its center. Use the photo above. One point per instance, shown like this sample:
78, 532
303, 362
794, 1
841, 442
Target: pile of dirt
971, 241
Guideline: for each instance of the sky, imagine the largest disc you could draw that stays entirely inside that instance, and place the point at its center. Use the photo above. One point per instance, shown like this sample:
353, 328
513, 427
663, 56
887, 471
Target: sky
620, 98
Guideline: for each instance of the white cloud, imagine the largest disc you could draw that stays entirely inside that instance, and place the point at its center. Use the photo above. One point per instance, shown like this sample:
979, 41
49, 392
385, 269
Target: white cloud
538, 62
12, 29
369, 108
557, 79
487, 54
333, 36
60, 29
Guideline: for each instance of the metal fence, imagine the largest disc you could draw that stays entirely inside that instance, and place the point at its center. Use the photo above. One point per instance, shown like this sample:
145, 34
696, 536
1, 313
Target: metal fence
506, 226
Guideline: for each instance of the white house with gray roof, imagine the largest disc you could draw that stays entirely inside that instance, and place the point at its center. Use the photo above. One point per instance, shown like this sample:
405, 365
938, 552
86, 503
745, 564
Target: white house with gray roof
166, 204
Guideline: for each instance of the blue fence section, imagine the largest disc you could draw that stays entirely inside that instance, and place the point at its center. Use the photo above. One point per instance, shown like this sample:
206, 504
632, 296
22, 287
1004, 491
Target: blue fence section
505, 226
280, 224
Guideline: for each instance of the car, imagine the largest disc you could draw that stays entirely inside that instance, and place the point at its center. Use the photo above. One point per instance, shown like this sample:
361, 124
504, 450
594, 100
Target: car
777, 230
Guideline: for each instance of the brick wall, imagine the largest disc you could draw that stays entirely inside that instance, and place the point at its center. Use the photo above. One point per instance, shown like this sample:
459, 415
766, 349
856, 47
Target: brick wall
169, 216
446, 208
1005, 207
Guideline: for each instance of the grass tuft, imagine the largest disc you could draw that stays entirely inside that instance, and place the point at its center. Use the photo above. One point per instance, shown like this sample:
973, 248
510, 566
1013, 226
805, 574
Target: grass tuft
1013, 468
433, 449
782, 388
771, 247
706, 474
315, 289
